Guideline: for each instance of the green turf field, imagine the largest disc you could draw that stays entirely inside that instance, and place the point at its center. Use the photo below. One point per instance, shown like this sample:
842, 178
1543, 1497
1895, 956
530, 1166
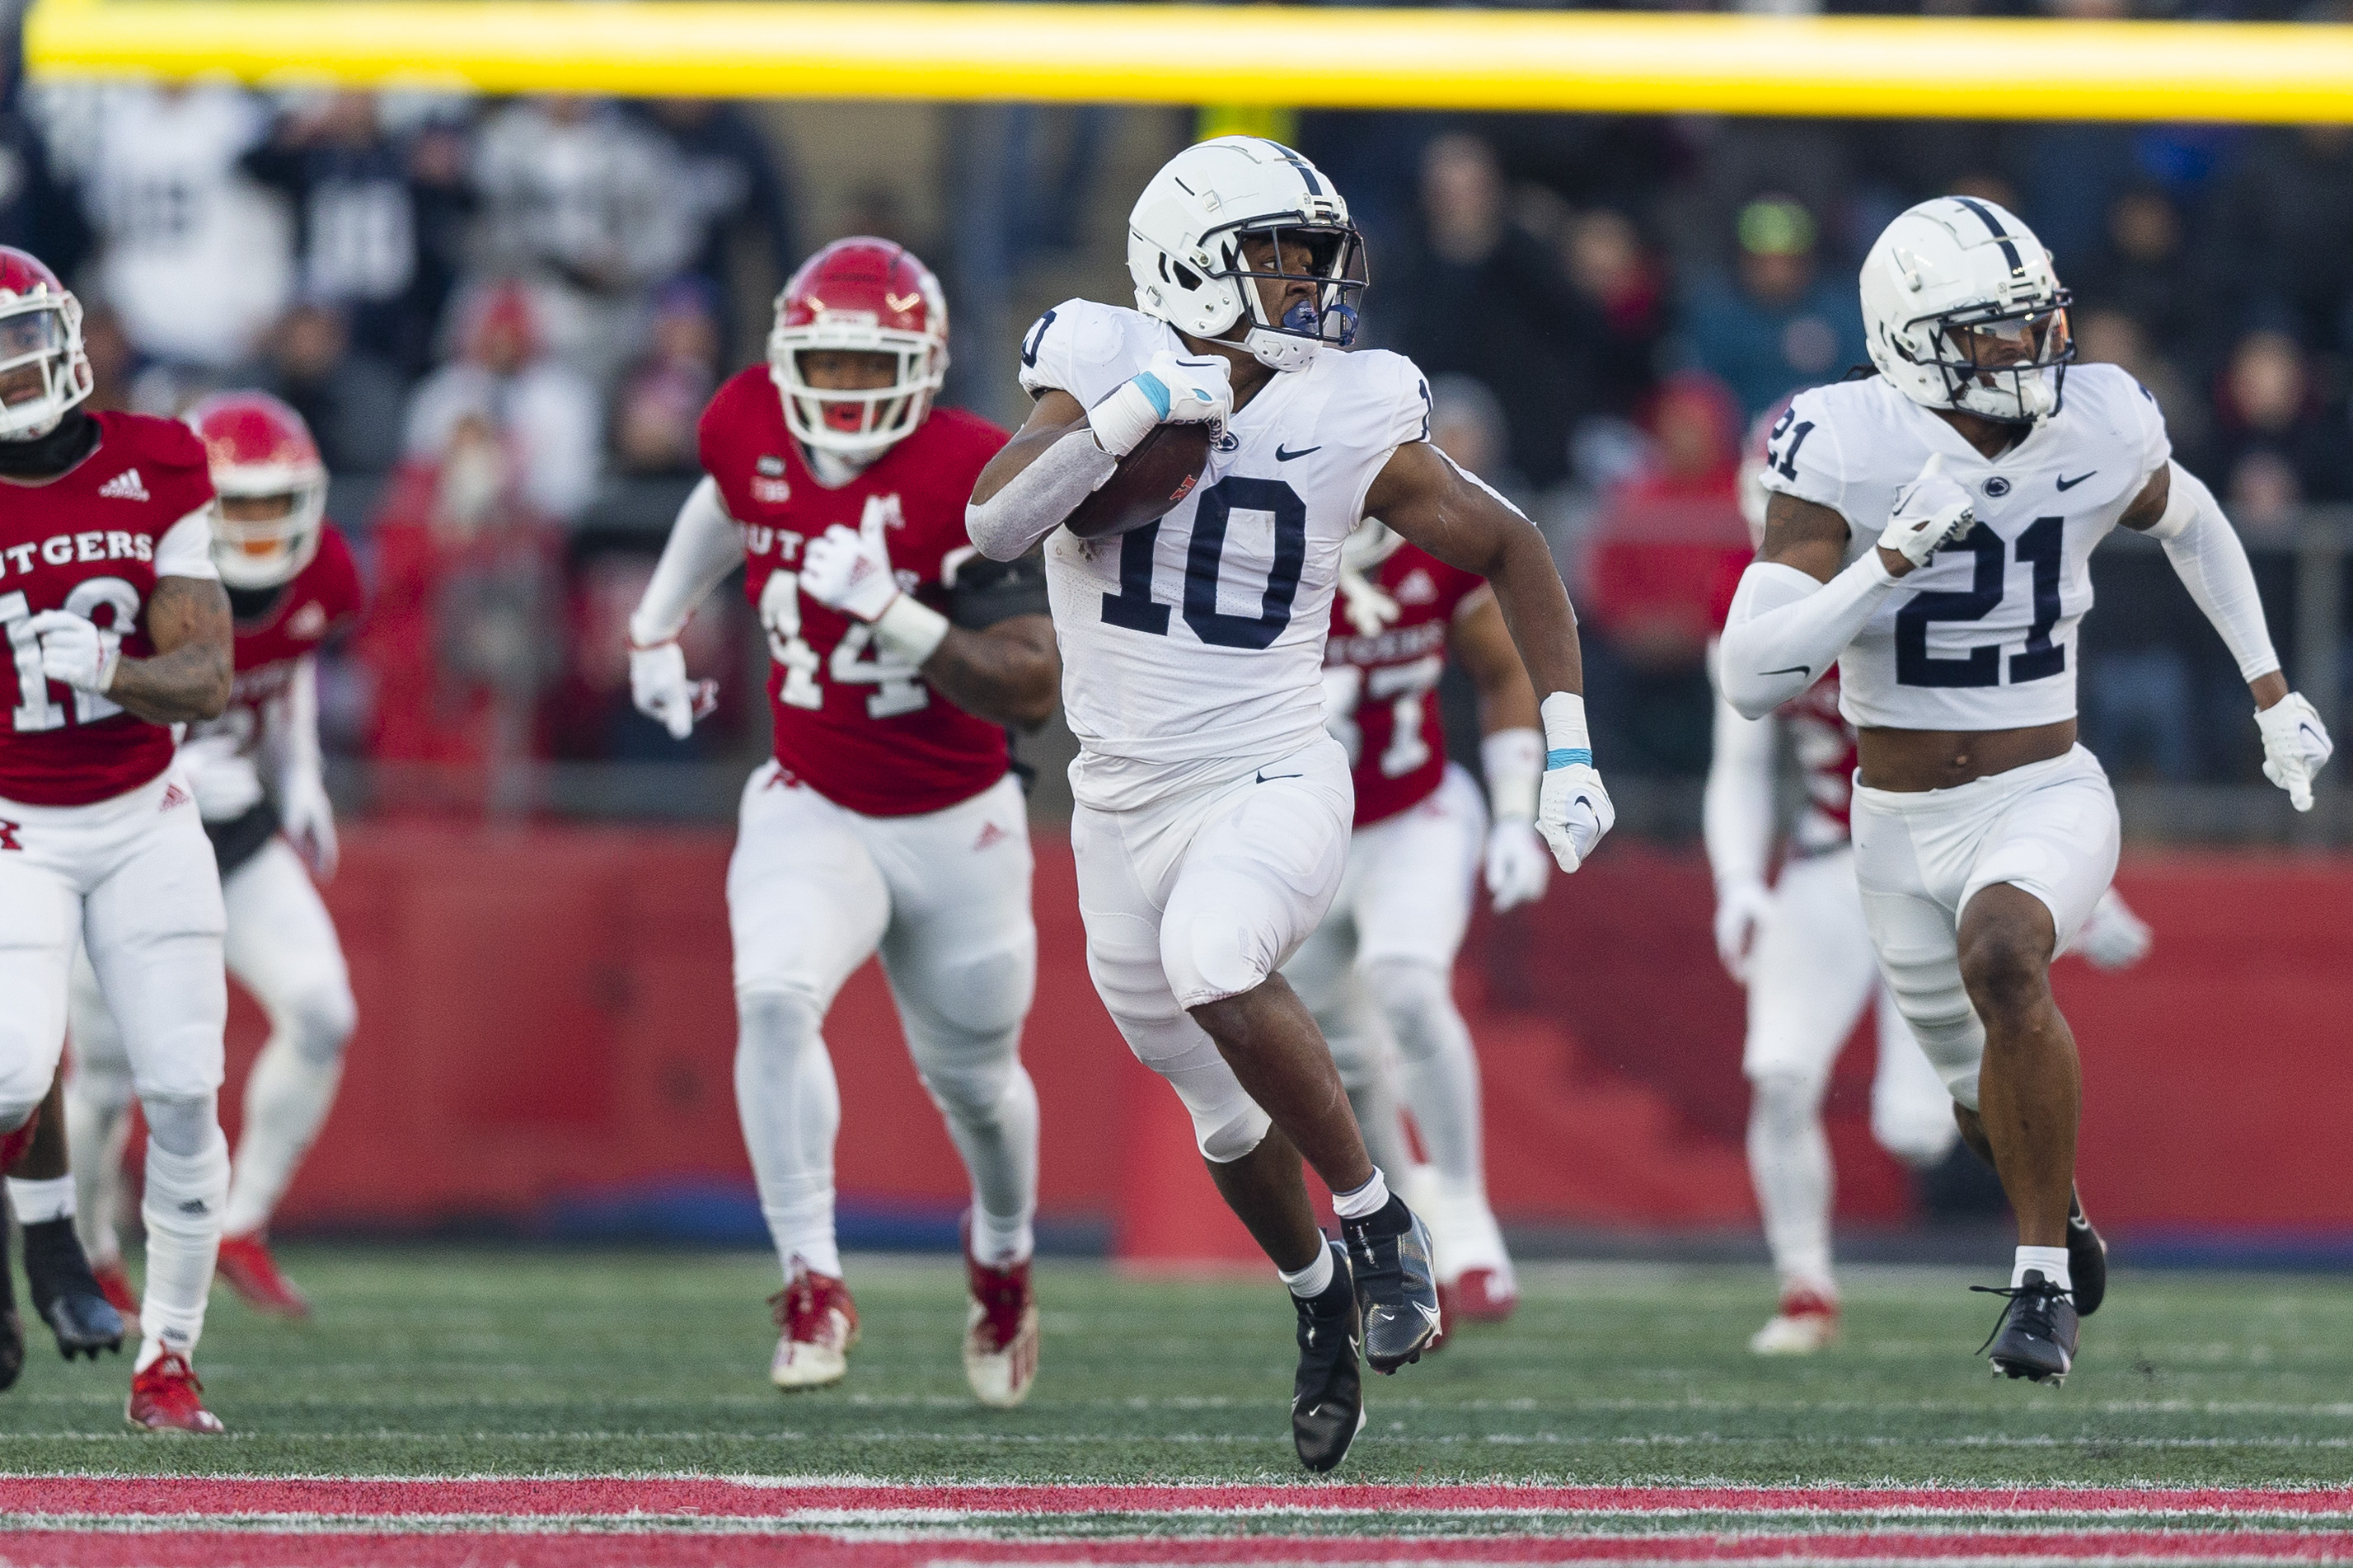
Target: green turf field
463, 1361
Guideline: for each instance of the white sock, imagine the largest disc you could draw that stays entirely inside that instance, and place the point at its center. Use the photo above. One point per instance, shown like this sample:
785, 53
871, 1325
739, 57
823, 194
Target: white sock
37, 1202
185, 1195
1790, 1165
1369, 1199
287, 1099
790, 1106
1001, 1243
2051, 1262
98, 1125
1312, 1281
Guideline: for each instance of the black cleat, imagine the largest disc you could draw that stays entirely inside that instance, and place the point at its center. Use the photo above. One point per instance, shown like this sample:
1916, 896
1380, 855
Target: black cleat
2087, 1259
1397, 1289
66, 1294
1327, 1394
2036, 1336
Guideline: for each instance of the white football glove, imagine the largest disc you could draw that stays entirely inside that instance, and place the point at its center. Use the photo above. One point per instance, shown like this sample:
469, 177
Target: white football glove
1573, 810
1342, 684
1518, 868
659, 685
1740, 909
2295, 744
1931, 512
308, 818
849, 571
79, 652
2111, 936
1169, 391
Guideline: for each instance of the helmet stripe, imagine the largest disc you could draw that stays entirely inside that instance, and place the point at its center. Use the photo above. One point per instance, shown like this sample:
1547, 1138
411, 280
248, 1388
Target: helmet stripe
1306, 170
1993, 228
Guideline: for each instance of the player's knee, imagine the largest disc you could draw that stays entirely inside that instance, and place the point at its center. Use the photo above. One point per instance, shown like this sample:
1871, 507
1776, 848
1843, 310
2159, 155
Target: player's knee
1213, 959
1418, 1004
778, 1023
987, 996
15, 1112
1785, 1103
182, 1124
320, 1021
1228, 1134
1918, 1138
2006, 969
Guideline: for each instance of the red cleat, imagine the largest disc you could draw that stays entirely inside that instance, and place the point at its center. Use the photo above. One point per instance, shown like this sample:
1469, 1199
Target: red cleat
166, 1397
1807, 1320
818, 1324
114, 1280
252, 1273
1000, 1333
1486, 1296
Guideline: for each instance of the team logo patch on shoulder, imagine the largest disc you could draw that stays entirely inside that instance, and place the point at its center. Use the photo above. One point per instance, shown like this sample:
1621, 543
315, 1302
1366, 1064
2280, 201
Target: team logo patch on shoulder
124, 486
309, 622
768, 488
770, 465
1417, 589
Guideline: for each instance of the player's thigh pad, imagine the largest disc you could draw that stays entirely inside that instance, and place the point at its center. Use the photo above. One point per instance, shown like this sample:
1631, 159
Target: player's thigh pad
1812, 970
1915, 935
961, 947
37, 915
1123, 919
154, 926
281, 946
2056, 838
805, 903
1258, 876
1414, 875
97, 1043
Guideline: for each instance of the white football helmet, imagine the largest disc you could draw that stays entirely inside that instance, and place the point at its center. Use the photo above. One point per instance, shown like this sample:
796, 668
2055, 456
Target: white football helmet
1962, 311
1185, 248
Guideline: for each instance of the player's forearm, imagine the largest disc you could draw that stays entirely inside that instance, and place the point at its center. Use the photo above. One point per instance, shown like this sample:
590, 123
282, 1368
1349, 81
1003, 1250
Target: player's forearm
1737, 808
190, 676
1007, 674
1787, 627
702, 548
2212, 564
1010, 512
1536, 610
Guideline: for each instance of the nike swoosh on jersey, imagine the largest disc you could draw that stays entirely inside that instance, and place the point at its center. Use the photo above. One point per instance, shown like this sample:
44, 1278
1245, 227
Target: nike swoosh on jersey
1265, 777
1793, 670
1283, 457
2068, 484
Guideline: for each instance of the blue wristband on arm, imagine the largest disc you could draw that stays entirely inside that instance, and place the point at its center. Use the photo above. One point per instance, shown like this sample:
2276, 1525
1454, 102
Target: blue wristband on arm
1567, 757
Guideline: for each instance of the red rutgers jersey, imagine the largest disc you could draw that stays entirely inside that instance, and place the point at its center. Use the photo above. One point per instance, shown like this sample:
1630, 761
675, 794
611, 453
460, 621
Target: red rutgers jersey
293, 620
858, 725
1824, 744
1402, 757
88, 542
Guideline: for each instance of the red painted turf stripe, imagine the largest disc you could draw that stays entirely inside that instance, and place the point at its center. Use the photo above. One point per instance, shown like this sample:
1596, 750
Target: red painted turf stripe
223, 1549
604, 1495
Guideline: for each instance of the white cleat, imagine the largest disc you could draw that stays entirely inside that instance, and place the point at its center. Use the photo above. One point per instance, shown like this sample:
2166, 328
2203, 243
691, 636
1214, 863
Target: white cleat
1807, 1322
820, 1324
1000, 1332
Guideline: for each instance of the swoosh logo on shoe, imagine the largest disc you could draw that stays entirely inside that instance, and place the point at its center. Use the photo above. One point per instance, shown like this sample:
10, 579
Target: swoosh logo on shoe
2068, 484
1283, 457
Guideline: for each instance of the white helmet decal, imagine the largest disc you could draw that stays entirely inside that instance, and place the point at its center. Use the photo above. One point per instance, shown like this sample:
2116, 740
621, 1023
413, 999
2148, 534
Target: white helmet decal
1962, 310
1185, 248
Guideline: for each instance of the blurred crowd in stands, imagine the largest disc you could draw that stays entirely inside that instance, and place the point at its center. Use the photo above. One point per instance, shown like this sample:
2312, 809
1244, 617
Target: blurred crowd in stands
502, 318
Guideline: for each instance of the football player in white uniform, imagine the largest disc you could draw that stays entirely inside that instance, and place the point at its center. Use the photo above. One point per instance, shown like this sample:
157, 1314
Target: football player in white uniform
1801, 951
1213, 810
1930, 530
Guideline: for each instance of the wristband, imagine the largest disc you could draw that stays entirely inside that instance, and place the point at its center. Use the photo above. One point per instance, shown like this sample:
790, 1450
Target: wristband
1567, 743
911, 629
1514, 760
1129, 412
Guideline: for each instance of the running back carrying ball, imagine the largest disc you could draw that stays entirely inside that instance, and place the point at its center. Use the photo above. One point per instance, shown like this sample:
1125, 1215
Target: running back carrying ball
1160, 425
1148, 483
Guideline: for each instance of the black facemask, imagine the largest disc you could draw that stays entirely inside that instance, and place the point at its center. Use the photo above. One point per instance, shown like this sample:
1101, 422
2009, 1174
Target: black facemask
46, 457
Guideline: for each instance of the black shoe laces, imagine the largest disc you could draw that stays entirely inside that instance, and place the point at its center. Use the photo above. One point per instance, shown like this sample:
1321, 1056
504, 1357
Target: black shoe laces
2039, 1298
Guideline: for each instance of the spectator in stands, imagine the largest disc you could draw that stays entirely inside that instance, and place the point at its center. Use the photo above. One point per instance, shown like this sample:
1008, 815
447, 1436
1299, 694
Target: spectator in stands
350, 399
1609, 266
587, 207
2141, 269
373, 221
661, 397
2276, 444
37, 211
196, 256
1777, 324
1485, 298
2281, 230
542, 409
2113, 337
733, 191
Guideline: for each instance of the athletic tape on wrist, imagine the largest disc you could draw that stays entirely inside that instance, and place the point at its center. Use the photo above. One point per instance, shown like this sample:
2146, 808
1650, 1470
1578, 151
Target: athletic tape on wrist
1568, 757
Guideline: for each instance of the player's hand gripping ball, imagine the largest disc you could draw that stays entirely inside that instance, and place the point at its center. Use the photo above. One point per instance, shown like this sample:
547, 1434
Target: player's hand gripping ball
1160, 425
659, 685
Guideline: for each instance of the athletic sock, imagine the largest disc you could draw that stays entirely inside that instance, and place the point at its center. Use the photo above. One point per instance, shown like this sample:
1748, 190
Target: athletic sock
287, 1099
36, 1202
1312, 1281
2051, 1262
1367, 1200
1790, 1166
97, 1126
185, 1195
1001, 1243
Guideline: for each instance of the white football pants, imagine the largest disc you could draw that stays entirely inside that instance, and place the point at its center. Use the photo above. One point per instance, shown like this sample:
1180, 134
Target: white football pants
280, 946
1813, 972
132, 880
2049, 827
1201, 897
812, 891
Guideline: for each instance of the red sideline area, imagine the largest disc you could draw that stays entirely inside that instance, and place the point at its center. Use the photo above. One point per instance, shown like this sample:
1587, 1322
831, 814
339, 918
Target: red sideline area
546, 1013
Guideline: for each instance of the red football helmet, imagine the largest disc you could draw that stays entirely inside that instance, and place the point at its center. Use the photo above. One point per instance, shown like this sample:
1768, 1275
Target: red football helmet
42, 371
866, 296
273, 484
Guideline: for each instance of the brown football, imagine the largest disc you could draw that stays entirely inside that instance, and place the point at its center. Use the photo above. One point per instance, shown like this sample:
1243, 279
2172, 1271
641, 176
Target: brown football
1147, 484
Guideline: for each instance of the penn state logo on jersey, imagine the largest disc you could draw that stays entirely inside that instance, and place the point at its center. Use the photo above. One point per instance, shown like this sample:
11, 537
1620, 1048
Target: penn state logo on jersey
1983, 637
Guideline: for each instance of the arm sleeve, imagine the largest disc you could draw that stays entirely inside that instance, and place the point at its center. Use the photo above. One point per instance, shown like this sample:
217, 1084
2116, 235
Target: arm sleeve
186, 548
2212, 564
1034, 502
293, 724
982, 592
1736, 808
703, 548
1785, 628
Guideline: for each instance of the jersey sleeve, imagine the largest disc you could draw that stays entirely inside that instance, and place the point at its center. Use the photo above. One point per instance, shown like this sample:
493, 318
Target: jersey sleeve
1804, 457
339, 582
2148, 426
186, 548
1404, 412
982, 592
1078, 347
719, 434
